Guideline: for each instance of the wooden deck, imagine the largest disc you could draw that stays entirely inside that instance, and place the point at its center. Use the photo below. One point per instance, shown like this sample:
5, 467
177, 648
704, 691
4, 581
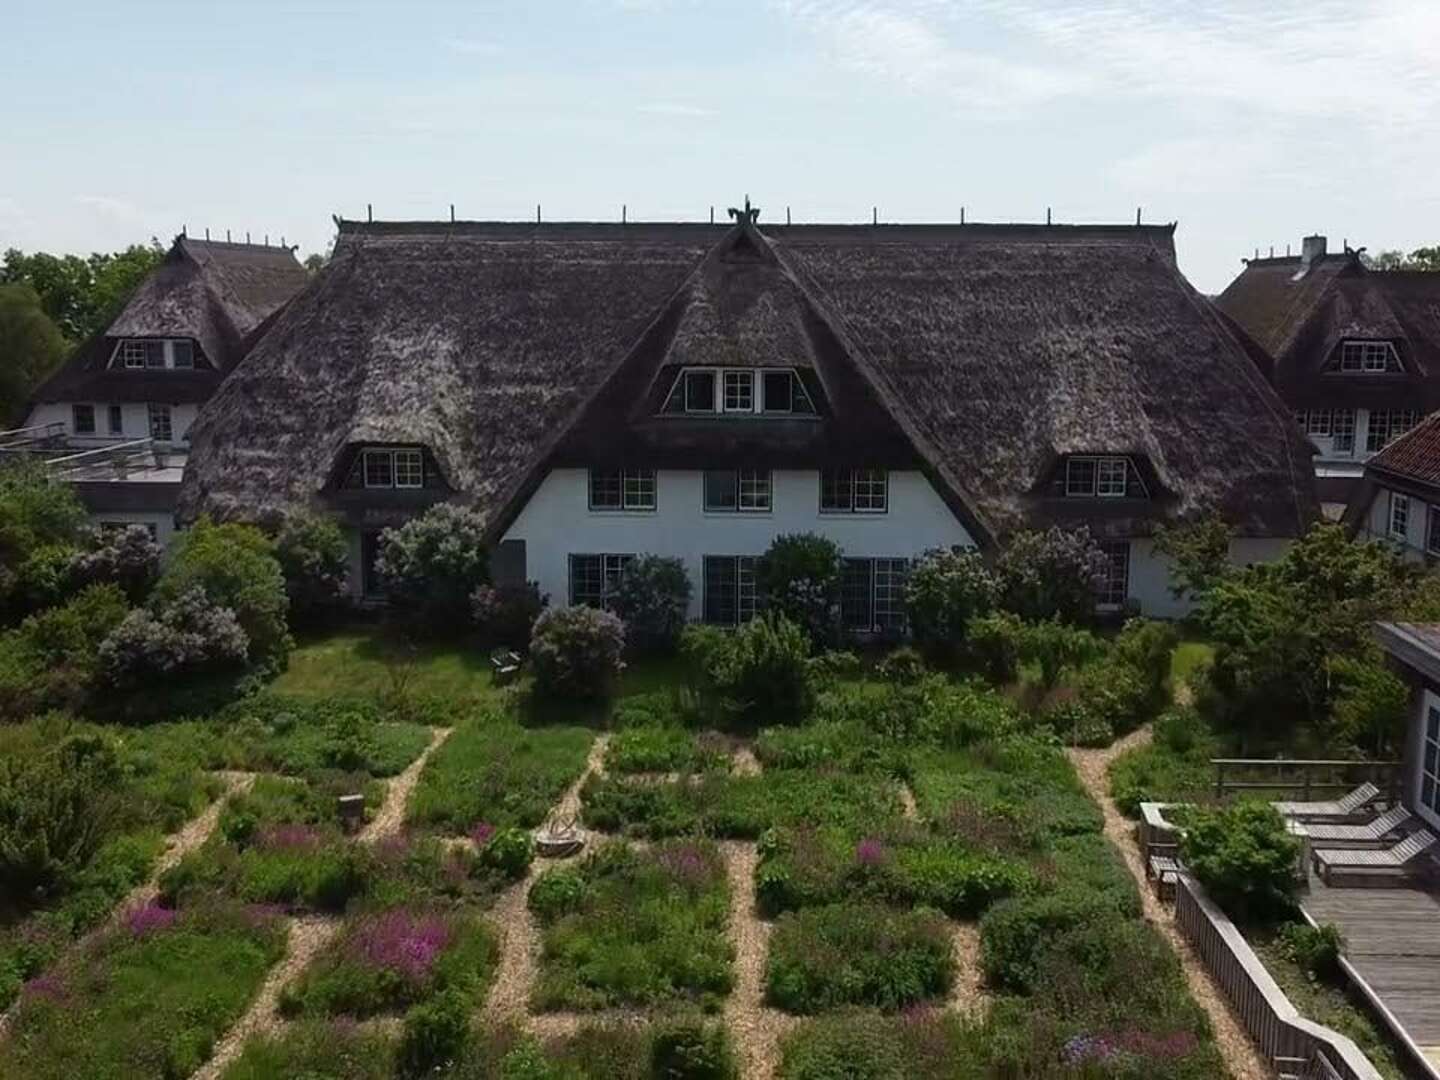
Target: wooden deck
1392, 938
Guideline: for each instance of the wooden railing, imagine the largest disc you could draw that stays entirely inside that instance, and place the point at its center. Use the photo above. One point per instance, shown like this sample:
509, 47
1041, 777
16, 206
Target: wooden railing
32, 438
1307, 778
1295, 1046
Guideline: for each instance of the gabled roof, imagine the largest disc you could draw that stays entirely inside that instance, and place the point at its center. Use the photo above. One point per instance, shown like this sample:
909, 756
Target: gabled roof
216, 293
979, 353
1300, 316
1414, 455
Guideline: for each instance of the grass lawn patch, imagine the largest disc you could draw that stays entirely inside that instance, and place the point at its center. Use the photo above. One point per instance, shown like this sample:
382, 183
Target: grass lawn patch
631, 928
901, 863
494, 771
1016, 780
316, 1051
385, 961
742, 807
149, 1000
1188, 657
666, 749
858, 954
363, 662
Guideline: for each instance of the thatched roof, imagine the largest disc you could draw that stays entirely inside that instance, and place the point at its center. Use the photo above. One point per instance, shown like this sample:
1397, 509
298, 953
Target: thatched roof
217, 294
981, 354
1301, 315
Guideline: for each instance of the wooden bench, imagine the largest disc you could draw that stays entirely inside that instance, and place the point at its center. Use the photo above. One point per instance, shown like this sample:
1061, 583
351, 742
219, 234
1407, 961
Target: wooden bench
1384, 867
1376, 833
1164, 871
1348, 807
505, 666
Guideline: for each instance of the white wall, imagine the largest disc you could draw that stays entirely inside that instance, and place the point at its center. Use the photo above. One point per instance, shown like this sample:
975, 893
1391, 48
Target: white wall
1376, 523
135, 418
557, 523
1150, 573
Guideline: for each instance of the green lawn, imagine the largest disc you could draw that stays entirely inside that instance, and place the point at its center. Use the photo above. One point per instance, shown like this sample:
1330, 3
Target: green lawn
363, 662
1188, 656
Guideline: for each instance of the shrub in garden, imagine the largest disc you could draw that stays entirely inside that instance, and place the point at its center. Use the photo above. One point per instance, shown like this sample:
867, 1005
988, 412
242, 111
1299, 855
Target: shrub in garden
576, 652
1372, 706
993, 645
1199, 554
128, 557
902, 665
316, 1051
435, 1034
1244, 858
1174, 768
691, 1050
652, 599
314, 558
1015, 933
508, 850
799, 577
761, 672
190, 635
235, 566
1146, 646
41, 524
945, 589
857, 954
431, 565
506, 613
557, 892
1051, 575
51, 660
1316, 949
1053, 646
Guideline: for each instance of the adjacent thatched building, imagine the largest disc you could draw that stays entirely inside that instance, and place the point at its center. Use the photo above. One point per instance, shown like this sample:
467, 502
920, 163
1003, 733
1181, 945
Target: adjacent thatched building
1355, 352
146, 375
598, 391
1399, 497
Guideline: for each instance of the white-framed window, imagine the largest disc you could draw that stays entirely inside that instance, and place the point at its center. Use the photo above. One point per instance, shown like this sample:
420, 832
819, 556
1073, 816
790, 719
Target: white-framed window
1102, 477
117, 420
132, 353
854, 491
1387, 425
739, 391
1428, 767
737, 490
82, 419
378, 467
1432, 530
622, 489
593, 578
182, 354
1368, 357
409, 469
1399, 523
872, 594
1114, 589
1342, 426
729, 589
161, 429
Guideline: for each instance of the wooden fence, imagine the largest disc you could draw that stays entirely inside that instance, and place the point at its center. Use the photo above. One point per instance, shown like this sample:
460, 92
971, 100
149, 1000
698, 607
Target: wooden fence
1303, 778
1296, 1047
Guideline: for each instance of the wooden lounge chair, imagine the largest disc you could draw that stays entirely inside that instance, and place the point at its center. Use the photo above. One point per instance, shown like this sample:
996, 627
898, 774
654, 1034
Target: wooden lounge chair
1372, 833
1383, 867
505, 666
1347, 807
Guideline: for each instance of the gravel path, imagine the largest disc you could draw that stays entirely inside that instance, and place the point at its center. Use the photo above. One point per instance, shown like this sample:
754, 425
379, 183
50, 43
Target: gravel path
907, 803
509, 997
307, 936
968, 995
391, 815
756, 1028
1240, 1054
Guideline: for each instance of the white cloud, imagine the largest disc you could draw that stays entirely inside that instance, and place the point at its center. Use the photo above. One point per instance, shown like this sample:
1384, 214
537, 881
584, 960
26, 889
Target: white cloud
114, 209
12, 214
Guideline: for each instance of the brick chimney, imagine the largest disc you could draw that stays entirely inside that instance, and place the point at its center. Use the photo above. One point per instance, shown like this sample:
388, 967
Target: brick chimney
1312, 249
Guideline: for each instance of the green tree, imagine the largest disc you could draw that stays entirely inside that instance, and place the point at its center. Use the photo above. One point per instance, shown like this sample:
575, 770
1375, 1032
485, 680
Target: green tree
30, 348
40, 528
82, 295
1199, 554
1422, 258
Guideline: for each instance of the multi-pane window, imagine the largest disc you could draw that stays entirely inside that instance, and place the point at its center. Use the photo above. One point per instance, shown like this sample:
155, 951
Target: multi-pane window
1335, 424
1106, 477
117, 420
854, 491
1115, 586
739, 391
699, 391
82, 418
593, 578
409, 469
729, 582
872, 594
1399, 526
1368, 356
160, 426
1429, 786
379, 468
1432, 531
622, 489
154, 354
182, 354
132, 353
737, 489
1388, 424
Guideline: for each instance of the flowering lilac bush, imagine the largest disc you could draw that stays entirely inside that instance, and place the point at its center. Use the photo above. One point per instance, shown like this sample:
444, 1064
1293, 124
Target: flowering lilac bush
652, 599
505, 613
575, 652
945, 589
189, 636
799, 577
127, 557
1051, 575
432, 564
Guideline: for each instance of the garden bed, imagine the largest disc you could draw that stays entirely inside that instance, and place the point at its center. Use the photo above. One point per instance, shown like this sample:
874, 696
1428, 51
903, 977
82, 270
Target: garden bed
632, 928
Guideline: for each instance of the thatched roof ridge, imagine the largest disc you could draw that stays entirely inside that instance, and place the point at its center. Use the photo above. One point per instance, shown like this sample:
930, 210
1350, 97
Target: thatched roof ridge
979, 353
217, 293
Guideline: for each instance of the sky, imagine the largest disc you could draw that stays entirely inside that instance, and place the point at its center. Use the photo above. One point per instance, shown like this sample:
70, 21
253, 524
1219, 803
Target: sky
1251, 123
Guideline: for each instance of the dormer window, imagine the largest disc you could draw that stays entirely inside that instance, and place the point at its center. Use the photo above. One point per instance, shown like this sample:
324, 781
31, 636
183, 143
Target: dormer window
182, 355
1102, 478
1369, 357
155, 354
386, 468
740, 392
